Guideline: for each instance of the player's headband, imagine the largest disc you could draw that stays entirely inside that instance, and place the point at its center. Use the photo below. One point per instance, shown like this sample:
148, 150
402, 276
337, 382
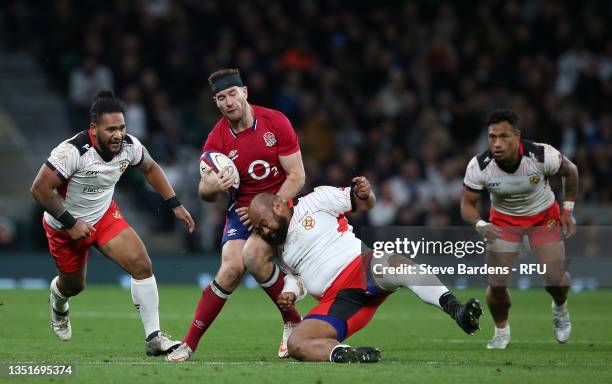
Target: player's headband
226, 82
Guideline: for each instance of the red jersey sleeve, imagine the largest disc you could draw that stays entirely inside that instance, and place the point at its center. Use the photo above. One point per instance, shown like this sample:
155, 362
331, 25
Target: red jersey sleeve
214, 141
286, 136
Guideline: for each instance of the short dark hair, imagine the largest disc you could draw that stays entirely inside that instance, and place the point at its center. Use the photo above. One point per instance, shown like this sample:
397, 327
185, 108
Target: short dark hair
104, 102
222, 73
500, 115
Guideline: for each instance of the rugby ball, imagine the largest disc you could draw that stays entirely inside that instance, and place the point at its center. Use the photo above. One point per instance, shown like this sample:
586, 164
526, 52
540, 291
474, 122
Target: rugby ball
217, 161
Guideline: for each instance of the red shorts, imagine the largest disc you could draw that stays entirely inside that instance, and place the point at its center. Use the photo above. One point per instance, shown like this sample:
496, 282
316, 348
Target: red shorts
351, 301
71, 255
541, 228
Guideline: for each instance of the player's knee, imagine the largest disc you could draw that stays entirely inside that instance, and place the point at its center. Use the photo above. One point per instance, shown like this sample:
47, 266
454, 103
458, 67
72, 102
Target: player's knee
254, 263
142, 268
230, 274
73, 288
295, 347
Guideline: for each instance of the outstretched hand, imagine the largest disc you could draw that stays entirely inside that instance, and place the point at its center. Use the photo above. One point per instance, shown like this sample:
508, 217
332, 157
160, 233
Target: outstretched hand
183, 214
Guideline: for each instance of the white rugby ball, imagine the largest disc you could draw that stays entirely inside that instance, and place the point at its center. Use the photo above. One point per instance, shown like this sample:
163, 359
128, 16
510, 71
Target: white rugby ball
217, 161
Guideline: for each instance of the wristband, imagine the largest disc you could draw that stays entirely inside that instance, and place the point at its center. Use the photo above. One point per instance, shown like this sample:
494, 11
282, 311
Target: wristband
173, 202
481, 223
568, 207
67, 220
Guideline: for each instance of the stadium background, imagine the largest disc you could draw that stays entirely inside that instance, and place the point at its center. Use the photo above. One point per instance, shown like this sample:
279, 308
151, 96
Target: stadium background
396, 91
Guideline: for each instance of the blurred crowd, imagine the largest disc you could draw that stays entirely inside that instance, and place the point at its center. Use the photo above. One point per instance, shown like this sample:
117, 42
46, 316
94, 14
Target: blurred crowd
393, 90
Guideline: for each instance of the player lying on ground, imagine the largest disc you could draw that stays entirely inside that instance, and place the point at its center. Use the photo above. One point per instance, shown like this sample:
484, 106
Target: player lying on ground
75, 187
265, 150
316, 243
516, 173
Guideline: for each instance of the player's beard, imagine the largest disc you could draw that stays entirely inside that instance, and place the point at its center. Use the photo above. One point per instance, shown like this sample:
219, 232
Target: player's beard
106, 150
280, 235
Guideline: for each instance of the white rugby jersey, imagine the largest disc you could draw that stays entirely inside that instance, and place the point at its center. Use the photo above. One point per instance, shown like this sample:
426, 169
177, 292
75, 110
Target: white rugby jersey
89, 181
320, 243
521, 192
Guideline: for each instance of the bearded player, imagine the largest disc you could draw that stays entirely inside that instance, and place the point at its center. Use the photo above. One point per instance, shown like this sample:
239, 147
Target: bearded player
317, 244
265, 149
516, 173
75, 187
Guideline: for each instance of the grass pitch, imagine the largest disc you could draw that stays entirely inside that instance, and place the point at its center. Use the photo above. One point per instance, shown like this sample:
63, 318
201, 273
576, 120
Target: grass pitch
418, 342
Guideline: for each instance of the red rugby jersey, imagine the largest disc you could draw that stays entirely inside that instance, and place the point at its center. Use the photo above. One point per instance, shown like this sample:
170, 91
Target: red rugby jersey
255, 151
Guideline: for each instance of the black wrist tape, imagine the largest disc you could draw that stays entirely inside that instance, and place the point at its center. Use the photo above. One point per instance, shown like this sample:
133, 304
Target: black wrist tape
67, 220
173, 202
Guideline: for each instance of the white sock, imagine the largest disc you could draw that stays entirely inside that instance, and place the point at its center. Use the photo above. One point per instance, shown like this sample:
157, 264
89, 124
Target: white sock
503, 331
559, 308
426, 286
60, 302
429, 294
146, 300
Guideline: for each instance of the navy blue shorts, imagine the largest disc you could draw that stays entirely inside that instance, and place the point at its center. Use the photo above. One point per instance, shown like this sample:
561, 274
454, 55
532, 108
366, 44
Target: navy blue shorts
234, 229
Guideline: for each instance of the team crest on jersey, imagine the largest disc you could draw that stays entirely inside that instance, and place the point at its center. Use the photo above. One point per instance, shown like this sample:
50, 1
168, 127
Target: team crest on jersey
123, 164
233, 154
534, 179
269, 139
308, 222
116, 214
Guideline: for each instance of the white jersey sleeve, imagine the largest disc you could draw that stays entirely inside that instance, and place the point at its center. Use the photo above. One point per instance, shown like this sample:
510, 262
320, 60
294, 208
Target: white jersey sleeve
331, 199
553, 159
65, 159
135, 151
473, 176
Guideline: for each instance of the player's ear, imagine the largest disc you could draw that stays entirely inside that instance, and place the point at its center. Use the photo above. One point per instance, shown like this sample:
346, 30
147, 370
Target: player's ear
246, 92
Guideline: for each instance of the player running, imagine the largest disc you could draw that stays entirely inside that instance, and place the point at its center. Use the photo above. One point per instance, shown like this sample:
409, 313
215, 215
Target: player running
265, 149
516, 173
75, 187
317, 244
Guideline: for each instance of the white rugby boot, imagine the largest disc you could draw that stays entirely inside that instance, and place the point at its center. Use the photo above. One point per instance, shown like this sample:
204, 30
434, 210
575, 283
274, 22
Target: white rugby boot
161, 344
562, 325
288, 329
60, 322
500, 339
182, 353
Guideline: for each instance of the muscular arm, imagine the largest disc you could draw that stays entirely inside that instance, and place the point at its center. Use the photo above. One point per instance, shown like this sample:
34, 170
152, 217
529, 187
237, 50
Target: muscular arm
155, 176
569, 172
296, 176
44, 191
469, 211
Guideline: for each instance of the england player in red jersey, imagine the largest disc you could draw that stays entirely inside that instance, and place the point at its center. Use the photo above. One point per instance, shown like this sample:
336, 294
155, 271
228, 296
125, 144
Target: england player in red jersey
265, 149
324, 257
75, 187
516, 173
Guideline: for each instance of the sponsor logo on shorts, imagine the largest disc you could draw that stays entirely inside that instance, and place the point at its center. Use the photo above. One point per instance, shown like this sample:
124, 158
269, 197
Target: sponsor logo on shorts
232, 232
308, 222
269, 139
534, 179
116, 214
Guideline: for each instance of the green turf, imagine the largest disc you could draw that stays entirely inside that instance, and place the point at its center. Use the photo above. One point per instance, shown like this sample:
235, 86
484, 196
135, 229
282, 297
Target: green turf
419, 343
